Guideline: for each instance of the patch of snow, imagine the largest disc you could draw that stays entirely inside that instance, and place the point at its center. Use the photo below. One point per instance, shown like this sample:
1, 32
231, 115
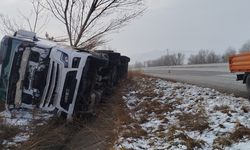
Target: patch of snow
240, 146
22, 117
21, 138
25, 120
185, 99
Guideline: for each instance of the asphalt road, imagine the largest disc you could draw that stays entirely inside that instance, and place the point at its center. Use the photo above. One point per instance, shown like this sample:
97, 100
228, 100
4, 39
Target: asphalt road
216, 76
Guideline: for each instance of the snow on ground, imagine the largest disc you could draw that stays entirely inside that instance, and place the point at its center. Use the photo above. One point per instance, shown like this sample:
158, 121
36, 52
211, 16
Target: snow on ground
179, 116
20, 125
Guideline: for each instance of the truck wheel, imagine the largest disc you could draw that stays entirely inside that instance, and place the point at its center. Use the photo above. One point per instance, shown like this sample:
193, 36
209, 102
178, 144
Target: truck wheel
248, 83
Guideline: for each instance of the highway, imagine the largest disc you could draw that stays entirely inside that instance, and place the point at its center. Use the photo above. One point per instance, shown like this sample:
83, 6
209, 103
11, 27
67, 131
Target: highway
216, 76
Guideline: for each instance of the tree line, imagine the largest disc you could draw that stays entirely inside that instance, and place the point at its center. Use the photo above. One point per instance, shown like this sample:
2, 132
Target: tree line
165, 60
209, 56
203, 56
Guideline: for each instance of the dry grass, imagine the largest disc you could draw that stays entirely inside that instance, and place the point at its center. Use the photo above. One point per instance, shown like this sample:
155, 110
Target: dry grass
89, 132
145, 87
177, 133
187, 121
59, 134
161, 132
189, 142
171, 133
136, 73
245, 109
224, 109
50, 136
147, 93
239, 133
121, 113
193, 122
7, 132
134, 132
2, 105
154, 106
131, 127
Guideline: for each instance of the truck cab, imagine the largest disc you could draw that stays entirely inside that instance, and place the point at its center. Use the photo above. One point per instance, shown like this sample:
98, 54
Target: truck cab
44, 74
37, 73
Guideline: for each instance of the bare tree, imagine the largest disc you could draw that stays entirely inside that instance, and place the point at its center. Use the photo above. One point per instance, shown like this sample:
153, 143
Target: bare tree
204, 57
88, 21
180, 59
138, 65
229, 51
38, 15
212, 58
199, 58
167, 60
9, 25
193, 59
35, 21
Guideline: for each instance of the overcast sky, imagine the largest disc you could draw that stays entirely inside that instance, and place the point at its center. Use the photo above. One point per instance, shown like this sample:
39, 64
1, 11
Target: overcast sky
179, 25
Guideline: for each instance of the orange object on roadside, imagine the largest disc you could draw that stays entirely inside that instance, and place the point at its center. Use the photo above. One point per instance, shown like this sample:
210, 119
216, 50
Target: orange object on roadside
240, 62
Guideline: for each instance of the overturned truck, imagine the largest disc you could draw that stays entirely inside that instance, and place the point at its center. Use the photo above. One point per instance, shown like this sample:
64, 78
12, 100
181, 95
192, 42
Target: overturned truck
40, 73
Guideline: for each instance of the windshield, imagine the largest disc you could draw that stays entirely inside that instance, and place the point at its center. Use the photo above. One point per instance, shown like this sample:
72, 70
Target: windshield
7, 52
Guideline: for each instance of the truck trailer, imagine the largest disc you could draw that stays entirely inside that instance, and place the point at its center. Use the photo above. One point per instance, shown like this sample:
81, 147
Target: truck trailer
240, 64
38, 73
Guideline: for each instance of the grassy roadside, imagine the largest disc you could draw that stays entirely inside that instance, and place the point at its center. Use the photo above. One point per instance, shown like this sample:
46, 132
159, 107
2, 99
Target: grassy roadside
156, 113
6, 131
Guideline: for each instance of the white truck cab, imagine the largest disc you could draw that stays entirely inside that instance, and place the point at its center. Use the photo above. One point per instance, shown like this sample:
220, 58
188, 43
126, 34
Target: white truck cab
40, 73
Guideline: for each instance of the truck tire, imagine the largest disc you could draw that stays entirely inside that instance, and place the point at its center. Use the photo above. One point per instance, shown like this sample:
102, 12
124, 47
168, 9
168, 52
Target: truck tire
248, 83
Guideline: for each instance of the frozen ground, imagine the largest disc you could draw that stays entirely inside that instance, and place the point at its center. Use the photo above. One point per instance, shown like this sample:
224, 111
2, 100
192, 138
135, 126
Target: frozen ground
176, 116
162, 115
17, 126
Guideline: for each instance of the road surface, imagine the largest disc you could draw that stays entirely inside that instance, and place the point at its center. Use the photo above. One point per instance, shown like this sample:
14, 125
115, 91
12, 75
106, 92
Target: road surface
215, 76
